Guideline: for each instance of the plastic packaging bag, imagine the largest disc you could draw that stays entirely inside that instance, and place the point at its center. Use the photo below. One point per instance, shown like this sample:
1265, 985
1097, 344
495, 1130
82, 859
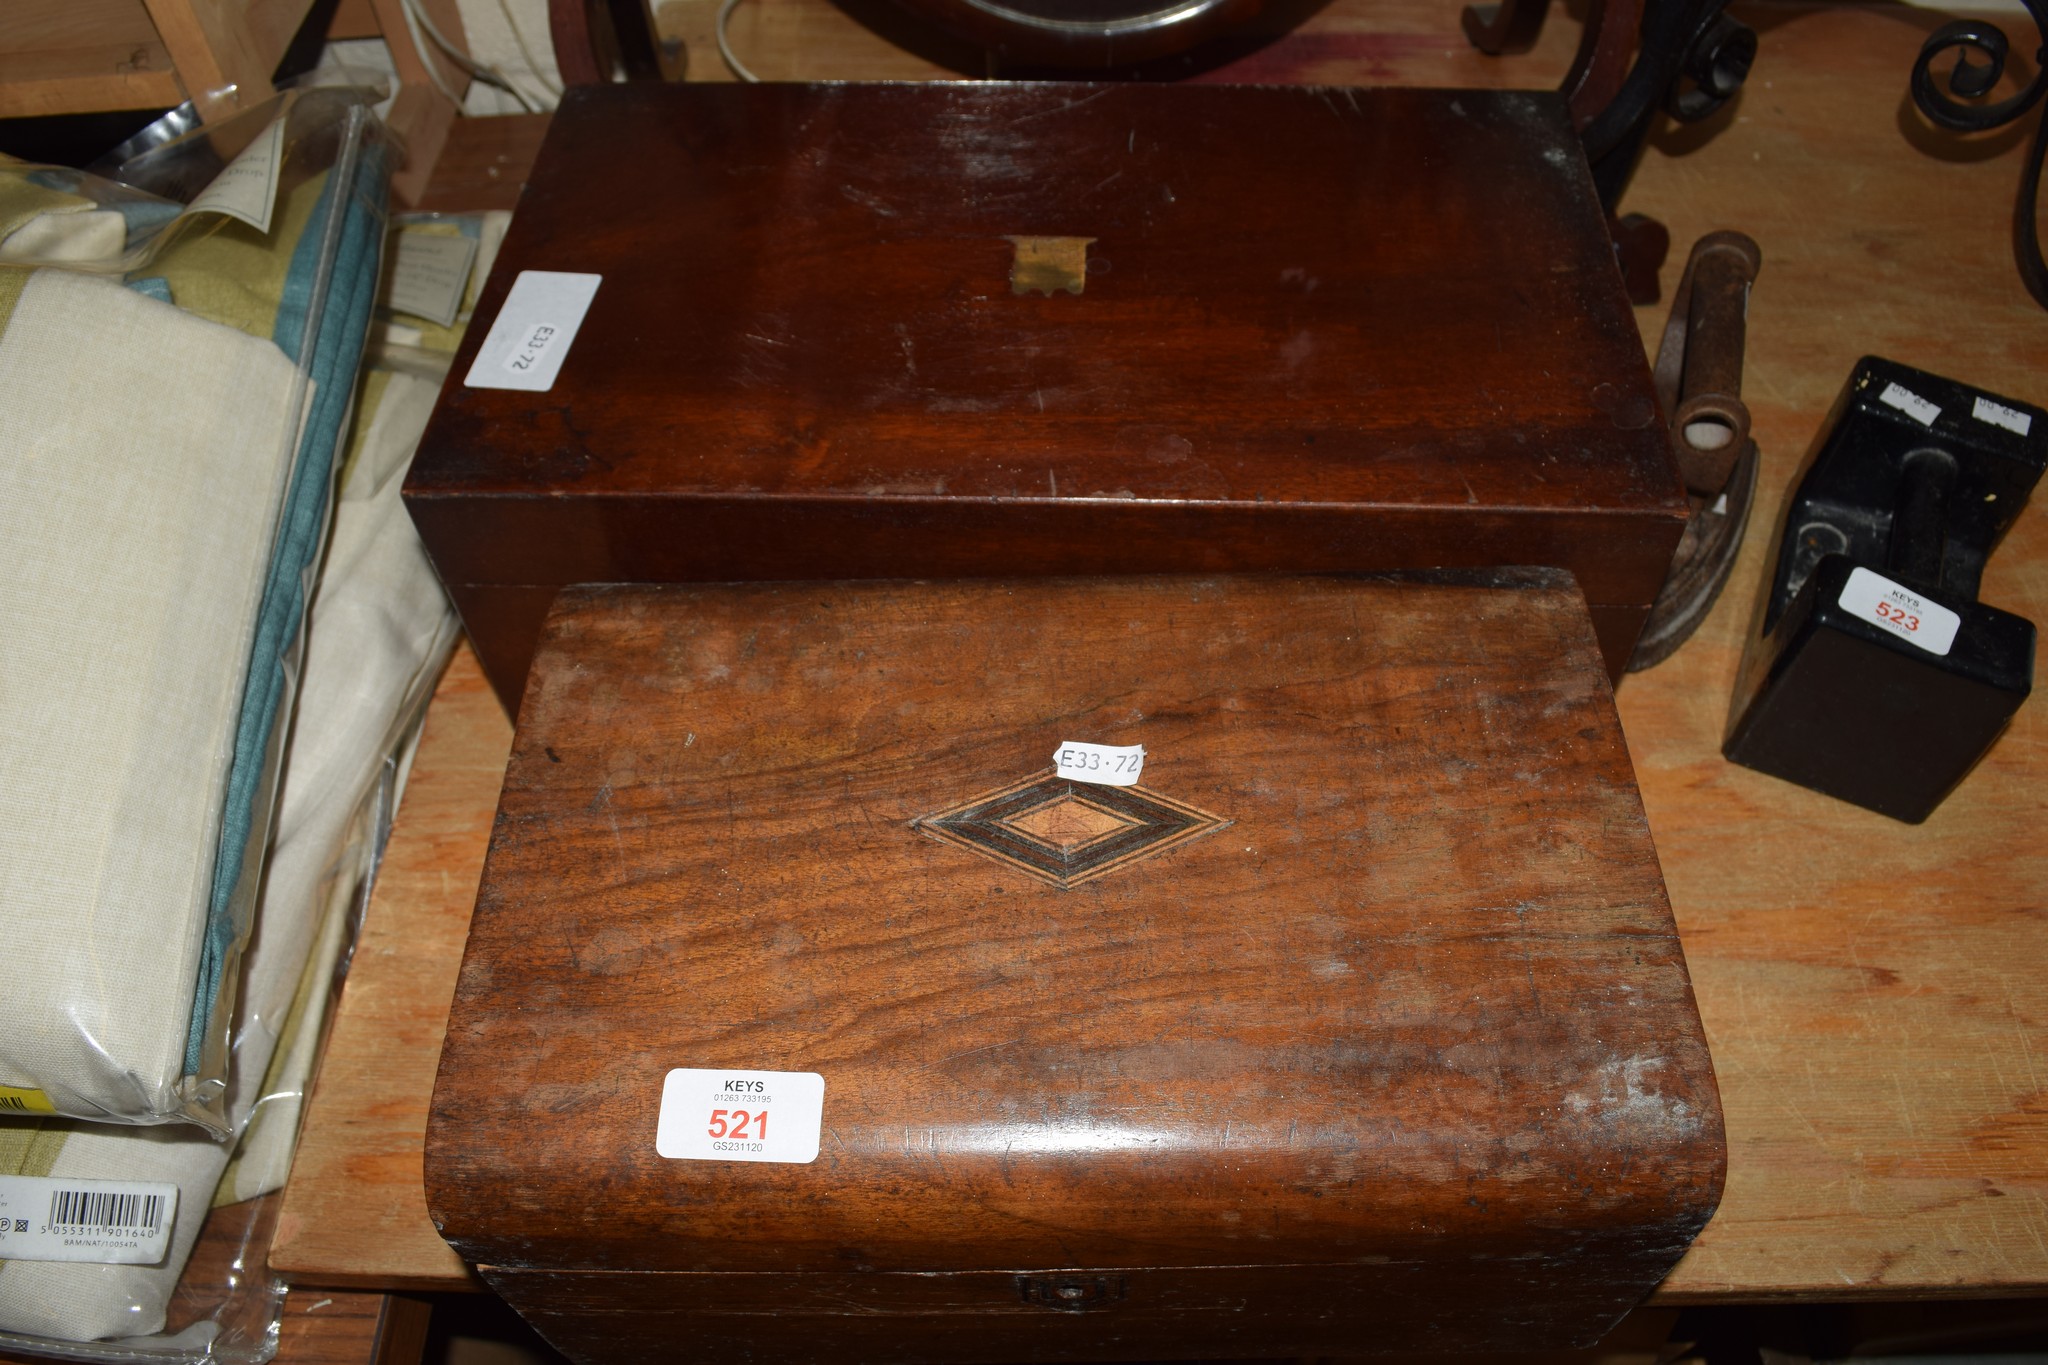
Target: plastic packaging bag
170, 471
380, 632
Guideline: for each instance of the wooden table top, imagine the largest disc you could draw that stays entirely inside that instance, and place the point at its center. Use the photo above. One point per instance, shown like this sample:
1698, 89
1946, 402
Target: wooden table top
1874, 994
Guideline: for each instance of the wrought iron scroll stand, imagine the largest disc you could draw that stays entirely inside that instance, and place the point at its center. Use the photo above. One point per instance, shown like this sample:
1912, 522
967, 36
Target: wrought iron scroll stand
1972, 80
1692, 58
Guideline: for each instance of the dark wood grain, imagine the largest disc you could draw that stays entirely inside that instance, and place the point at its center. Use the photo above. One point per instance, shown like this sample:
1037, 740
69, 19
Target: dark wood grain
337, 1327
1419, 1008
1321, 330
484, 163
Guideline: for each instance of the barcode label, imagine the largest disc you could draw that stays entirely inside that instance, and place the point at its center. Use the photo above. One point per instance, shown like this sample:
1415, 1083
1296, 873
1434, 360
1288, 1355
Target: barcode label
106, 1222
20, 1099
102, 1209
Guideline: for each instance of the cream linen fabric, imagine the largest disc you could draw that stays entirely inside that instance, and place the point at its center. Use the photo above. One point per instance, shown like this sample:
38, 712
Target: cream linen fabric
93, 235
142, 458
380, 630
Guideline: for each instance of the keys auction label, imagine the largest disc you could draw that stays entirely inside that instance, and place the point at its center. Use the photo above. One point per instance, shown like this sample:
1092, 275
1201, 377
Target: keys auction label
1899, 610
741, 1115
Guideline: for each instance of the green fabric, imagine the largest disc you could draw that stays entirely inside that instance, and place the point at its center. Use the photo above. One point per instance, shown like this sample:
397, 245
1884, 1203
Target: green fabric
30, 1146
12, 281
226, 271
336, 351
370, 387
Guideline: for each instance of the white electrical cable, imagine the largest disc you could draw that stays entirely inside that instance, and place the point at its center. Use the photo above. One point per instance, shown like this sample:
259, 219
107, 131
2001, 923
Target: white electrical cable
426, 56
725, 48
417, 18
553, 88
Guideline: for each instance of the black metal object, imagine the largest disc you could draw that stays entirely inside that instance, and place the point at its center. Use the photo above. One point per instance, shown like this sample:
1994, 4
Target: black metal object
1873, 674
1691, 60
1972, 80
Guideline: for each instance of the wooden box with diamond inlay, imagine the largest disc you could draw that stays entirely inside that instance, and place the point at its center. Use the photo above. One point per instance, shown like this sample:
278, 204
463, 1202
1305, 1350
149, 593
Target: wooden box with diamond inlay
811, 1013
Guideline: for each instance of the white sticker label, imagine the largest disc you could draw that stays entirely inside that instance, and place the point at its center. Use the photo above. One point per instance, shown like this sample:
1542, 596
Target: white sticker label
429, 274
534, 329
1999, 415
105, 1222
1102, 763
740, 1115
1910, 403
1904, 613
247, 189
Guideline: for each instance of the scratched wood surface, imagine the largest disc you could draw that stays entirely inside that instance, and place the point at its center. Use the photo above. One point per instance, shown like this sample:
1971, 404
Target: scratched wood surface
355, 1211
1369, 987
1870, 991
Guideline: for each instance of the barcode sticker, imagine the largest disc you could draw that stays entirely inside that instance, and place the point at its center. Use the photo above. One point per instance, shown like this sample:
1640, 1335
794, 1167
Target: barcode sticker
1999, 415
104, 1222
711, 1115
1912, 404
1108, 764
533, 331
1901, 611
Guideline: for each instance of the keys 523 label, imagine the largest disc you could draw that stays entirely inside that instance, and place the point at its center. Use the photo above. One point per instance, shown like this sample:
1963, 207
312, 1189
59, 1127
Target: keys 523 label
1900, 610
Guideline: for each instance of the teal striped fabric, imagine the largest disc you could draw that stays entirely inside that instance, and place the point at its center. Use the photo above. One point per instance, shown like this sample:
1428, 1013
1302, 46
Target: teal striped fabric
337, 327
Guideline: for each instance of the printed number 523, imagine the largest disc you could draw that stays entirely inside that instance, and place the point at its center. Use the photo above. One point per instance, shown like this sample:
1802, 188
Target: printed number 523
1898, 616
733, 1123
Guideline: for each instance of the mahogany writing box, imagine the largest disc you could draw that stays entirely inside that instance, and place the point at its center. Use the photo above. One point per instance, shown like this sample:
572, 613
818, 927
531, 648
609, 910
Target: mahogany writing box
1358, 1024
1272, 329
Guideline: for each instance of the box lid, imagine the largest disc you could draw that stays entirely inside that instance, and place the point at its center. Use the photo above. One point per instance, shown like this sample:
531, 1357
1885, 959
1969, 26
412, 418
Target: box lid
1282, 298
1373, 963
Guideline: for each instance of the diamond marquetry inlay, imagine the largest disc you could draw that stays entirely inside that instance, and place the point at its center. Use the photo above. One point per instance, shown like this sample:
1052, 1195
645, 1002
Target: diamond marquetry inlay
1067, 832
1069, 822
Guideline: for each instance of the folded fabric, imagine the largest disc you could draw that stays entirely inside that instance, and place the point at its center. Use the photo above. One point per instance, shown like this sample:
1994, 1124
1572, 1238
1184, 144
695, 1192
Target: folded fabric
39, 220
53, 215
298, 293
379, 632
143, 455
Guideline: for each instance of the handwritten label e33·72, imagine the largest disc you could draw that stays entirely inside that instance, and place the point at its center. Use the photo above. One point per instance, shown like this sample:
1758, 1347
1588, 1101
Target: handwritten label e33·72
533, 331
715, 1115
1900, 610
1108, 765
